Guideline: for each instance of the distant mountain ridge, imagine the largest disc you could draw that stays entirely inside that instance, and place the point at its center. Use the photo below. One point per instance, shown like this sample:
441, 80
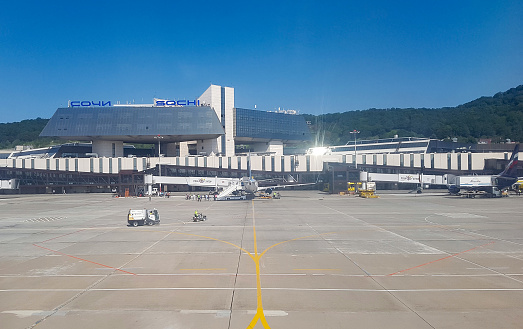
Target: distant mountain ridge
499, 117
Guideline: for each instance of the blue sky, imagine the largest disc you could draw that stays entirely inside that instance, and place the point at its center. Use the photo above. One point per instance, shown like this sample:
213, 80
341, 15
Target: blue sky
312, 56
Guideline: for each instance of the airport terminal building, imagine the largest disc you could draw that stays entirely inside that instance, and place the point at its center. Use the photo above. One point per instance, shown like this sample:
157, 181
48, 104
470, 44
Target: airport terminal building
200, 138
211, 124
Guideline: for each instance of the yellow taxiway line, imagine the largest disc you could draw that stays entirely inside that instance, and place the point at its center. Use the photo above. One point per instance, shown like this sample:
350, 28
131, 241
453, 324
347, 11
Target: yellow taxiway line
259, 316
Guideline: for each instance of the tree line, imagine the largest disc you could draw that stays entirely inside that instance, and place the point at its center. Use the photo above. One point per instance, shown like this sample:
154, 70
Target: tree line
498, 118
23, 133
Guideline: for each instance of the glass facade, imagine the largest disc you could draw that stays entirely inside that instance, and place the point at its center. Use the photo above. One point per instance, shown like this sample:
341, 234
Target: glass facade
262, 125
390, 147
134, 123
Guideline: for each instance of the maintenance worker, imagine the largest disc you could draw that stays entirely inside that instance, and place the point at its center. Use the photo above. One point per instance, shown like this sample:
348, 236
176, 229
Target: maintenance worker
196, 213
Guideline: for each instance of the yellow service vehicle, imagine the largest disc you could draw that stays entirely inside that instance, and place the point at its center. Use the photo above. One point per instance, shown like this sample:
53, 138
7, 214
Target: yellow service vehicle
518, 187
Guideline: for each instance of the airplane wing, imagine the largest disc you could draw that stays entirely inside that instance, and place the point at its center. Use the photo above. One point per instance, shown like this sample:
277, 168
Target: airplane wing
264, 188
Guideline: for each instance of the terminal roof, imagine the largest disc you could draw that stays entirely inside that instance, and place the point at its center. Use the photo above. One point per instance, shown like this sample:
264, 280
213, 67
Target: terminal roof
134, 124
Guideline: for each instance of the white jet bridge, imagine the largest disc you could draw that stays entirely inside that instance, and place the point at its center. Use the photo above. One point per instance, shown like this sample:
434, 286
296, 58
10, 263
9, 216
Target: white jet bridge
229, 185
417, 178
10, 184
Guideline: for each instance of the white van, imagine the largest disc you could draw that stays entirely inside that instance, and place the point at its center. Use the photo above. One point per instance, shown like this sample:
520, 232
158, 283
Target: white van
143, 217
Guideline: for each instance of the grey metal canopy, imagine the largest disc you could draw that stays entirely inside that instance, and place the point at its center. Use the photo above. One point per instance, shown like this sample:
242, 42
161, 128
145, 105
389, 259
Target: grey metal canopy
134, 124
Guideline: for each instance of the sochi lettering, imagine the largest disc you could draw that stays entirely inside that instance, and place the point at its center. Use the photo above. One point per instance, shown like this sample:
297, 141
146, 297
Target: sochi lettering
182, 102
89, 103
159, 103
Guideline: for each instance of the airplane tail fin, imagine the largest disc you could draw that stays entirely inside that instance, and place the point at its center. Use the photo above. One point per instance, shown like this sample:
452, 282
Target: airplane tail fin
511, 168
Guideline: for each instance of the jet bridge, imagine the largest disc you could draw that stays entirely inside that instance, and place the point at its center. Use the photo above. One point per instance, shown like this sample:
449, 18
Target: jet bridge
10, 184
213, 182
230, 186
405, 178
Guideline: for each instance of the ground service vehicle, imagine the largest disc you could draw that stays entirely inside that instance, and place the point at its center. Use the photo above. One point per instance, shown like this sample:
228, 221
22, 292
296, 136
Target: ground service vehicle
488, 185
199, 218
143, 217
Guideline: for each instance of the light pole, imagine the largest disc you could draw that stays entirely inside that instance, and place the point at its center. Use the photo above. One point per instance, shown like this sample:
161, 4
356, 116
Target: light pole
355, 132
159, 138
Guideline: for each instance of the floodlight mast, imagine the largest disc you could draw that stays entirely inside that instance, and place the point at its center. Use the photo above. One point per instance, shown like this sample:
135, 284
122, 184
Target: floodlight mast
159, 138
355, 132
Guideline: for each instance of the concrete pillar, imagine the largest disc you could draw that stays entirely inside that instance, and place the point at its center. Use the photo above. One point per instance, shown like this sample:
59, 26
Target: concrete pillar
109, 149
228, 123
221, 100
170, 149
184, 149
213, 97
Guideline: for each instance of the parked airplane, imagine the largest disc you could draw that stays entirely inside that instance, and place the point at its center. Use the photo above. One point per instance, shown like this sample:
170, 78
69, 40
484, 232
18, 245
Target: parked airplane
232, 188
250, 185
491, 185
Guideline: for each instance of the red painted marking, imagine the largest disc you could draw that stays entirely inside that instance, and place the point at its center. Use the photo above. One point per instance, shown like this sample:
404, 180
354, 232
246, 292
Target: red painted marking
437, 260
85, 260
56, 237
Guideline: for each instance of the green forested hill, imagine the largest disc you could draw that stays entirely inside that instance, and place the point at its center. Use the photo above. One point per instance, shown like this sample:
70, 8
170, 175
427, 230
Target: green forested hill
499, 117
23, 133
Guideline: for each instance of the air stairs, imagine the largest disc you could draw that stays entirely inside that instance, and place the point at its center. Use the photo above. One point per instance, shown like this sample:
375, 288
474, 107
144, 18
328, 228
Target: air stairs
229, 190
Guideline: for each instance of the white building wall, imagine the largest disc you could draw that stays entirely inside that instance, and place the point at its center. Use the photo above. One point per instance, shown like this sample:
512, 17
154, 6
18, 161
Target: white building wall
83, 166
114, 165
111, 165
191, 161
440, 161
105, 148
379, 159
267, 160
244, 161
453, 161
207, 146
301, 163
63, 163
256, 162
184, 149
287, 163
213, 98
229, 121
393, 160
213, 162
127, 163
366, 159
464, 161
417, 160
277, 163
316, 161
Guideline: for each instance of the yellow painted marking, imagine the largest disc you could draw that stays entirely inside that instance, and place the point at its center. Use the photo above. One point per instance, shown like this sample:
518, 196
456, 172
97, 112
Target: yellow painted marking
259, 316
303, 237
205, 237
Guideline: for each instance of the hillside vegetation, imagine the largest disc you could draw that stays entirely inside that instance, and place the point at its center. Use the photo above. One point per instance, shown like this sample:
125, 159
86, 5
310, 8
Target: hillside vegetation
23, 133
499, 117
